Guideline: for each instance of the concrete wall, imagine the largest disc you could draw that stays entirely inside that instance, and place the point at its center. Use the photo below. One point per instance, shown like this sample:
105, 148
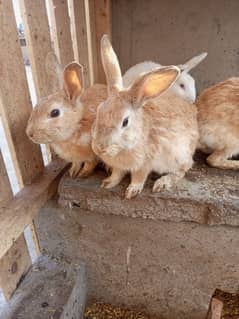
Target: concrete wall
172, 268
172, 31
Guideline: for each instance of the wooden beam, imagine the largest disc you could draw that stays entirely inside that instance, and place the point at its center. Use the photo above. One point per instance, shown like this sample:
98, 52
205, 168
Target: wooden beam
18, 213
80, 28
100, 16
15, 101
16, 262
61, 30
13, 266
37, 33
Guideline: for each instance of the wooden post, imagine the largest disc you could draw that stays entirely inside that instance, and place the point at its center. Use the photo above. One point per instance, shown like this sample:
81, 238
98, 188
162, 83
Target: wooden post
81, 31
15, 101
100, 17
37, 33
16, 262
61, 31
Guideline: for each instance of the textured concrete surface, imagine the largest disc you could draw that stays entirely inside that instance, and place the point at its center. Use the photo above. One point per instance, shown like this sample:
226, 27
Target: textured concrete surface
50, 290
167, 268
173, 31
206, 196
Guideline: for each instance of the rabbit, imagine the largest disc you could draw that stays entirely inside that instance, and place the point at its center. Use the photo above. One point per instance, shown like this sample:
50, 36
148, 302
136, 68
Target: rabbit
218, 121
64, 119
140, 129
184, 86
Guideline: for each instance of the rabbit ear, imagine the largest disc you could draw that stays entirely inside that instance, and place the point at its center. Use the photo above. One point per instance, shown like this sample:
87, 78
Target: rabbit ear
73, 80
189, 65
111, 65
153, 84
54, 71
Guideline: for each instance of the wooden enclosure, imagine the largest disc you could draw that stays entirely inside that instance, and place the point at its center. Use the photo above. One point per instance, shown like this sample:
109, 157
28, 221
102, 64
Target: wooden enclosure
72, 29
160, 30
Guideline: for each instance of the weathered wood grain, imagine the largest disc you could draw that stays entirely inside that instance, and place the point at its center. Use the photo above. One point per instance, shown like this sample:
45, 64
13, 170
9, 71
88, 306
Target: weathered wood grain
18, 213
15, 101
100, 16
61, 31
37, 33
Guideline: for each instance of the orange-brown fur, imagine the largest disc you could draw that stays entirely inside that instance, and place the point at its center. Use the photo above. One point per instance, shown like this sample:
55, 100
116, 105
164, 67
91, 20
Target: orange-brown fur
64, 134
218, 120
160, 133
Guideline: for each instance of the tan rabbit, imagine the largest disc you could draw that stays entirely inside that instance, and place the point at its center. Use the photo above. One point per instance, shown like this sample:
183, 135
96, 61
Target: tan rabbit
64, 119
137, 131
218, 120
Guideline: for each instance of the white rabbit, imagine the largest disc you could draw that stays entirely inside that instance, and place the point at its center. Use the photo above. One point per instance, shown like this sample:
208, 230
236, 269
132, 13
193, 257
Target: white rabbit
185, 84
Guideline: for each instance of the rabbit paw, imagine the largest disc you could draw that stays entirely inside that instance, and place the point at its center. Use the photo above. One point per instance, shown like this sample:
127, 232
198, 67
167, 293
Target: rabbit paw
87, 169
75, 169
109, 182
133, 190
163, 183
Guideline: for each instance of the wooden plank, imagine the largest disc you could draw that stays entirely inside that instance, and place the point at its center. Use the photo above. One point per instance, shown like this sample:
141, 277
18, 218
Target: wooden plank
37, 33
62, 286
16, 262
15, 100
13, 266
81, 34
122, 32
100, 15
19, 212
61, 30
5, 187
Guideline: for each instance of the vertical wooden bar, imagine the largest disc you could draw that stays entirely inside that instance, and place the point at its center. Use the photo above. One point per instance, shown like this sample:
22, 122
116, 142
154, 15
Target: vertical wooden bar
5, 187
37, 33
16, 261
15, 100
100, 16
61, 30
81, 32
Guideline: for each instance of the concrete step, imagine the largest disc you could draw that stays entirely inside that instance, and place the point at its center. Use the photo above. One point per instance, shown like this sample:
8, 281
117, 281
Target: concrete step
206, 195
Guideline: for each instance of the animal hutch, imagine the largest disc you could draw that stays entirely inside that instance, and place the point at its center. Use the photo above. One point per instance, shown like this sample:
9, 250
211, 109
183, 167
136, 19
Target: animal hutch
165, 253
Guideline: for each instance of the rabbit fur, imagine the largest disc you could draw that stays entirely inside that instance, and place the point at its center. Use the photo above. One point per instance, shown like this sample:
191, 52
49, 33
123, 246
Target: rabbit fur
218, 121
138, 130
184, 86
69, 132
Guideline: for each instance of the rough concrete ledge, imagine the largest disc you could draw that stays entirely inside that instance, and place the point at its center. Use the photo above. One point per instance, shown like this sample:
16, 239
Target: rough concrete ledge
206, 196
50, 290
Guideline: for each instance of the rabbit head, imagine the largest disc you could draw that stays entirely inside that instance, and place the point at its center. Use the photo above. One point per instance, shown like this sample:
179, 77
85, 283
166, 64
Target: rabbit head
119, 124
56, 116
185, 84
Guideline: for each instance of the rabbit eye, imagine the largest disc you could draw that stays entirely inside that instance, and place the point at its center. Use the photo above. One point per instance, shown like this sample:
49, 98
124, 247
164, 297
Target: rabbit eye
182, 86
55, 113
125, 122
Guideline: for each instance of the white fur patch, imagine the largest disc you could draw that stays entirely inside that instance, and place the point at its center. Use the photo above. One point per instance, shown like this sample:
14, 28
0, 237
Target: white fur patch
85, 139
